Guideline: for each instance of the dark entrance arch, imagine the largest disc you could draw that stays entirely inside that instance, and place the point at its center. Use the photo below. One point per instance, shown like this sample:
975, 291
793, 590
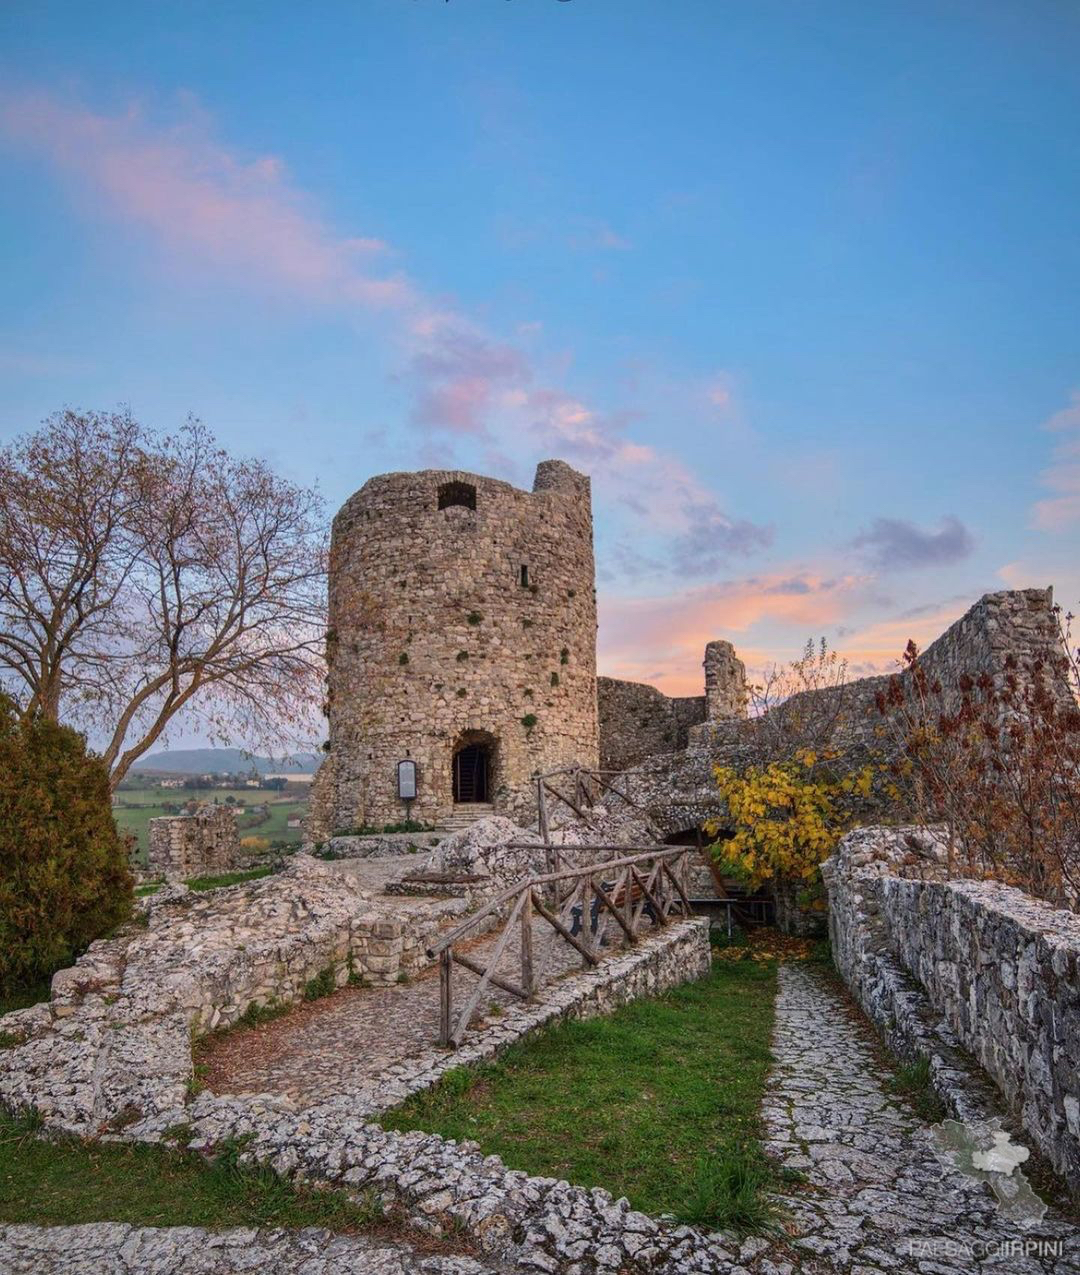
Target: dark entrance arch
472, 773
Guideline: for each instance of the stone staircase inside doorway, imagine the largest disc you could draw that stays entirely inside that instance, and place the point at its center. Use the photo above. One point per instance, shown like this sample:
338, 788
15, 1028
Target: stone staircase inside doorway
465, 814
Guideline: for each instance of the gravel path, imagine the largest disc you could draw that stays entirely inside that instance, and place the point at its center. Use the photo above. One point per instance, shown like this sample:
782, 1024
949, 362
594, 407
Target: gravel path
321, 1048
878, 1198
114, 1248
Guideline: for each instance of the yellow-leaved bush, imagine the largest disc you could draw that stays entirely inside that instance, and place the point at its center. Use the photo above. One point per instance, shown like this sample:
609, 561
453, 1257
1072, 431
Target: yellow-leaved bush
787, 816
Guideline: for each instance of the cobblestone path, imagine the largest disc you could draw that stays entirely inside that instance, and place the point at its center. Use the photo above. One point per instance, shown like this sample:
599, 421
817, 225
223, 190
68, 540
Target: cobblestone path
323, 1047
877, 1199
114, 1248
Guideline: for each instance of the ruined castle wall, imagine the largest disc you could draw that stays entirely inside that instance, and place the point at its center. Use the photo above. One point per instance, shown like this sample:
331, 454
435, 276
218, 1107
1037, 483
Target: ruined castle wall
457, 625
1015, 622
203, 844
1002, 969
637, 720
725, 682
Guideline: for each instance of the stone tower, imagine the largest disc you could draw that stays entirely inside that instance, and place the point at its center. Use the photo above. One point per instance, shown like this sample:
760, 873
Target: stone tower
462, 637
725, 682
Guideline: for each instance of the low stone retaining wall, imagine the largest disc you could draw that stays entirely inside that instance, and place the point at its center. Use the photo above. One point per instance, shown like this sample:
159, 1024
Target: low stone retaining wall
442, 1187
379, 845
1001, 968
114, 1042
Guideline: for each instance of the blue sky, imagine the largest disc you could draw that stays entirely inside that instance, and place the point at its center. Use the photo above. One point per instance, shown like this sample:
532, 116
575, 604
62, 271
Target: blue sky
796, 283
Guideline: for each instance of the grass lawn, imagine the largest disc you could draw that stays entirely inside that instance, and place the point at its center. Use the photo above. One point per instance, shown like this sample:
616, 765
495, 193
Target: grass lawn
68, 1182
658, 1102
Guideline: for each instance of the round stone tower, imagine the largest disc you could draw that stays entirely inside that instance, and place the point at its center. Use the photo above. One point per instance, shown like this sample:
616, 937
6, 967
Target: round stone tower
462, 638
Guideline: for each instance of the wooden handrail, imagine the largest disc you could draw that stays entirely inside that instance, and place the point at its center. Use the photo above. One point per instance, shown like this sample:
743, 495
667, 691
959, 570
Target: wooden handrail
613, 895
549, 878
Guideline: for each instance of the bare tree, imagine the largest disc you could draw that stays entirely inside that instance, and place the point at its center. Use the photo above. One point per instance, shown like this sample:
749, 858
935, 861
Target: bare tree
141, 575
997, 760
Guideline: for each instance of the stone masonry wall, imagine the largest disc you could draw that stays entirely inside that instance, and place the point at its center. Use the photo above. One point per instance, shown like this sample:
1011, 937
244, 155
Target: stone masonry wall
637, 720
1000, 968
725, 682
202, 844
456, 626
1017, 622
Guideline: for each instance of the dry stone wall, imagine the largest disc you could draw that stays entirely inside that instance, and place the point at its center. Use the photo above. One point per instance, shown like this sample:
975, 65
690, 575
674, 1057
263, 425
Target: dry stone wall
1001, 968
203, 844
638, 721
462, 613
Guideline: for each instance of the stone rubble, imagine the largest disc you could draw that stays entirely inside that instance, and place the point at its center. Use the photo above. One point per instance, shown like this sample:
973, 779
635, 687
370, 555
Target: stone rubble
482, 849
114, 1248
379, 845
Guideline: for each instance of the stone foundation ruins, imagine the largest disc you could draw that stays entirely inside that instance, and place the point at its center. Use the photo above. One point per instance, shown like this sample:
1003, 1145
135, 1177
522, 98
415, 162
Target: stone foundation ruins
111, 1056
205, 843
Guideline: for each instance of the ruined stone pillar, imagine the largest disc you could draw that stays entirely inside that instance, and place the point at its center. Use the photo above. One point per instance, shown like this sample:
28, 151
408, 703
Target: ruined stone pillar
725, 682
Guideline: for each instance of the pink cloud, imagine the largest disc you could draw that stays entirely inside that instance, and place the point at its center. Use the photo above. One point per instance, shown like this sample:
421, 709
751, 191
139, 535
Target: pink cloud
662, 639
204, 204
245, 220
769, 617
1062, 510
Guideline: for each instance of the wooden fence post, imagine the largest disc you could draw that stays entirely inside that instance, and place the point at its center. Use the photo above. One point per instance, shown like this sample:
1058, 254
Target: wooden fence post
446, 965
528, 981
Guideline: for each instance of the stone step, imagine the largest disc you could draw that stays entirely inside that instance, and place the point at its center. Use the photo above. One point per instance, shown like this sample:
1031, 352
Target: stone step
466, 815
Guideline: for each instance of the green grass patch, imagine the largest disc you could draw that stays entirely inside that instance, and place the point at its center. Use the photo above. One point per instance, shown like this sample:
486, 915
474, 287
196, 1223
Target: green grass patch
69, 1182
227, 878
913, 1082
23, 997
719, 937
658, 1102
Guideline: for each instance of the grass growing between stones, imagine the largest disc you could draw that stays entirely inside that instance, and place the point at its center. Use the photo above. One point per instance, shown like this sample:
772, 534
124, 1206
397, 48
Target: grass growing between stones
227, 878
658, 1102
914, 1082
69, 1182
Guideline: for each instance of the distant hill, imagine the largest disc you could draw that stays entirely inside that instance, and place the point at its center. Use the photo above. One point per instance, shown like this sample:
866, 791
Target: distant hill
223, 761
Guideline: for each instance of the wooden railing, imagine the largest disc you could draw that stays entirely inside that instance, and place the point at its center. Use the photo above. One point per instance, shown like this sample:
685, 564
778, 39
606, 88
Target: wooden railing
587, 785
579, 904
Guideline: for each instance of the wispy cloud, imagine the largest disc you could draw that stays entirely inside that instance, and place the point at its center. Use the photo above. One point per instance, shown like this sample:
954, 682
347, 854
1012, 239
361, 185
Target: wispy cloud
246, 221
203, 204
662, 639
1062, 510
894, 544
593, 235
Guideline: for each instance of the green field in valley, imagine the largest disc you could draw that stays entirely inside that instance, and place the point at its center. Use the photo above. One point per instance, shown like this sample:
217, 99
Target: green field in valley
133, 809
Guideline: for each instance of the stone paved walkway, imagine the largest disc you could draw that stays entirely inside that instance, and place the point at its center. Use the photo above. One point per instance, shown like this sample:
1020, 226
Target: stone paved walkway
114, 1248
322, 1048
878, 1200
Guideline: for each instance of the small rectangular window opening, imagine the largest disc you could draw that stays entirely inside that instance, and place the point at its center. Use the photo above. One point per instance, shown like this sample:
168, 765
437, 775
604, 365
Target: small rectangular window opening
524, 576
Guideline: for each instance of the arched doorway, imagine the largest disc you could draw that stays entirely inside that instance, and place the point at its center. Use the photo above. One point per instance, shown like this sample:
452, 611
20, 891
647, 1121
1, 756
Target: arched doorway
472, 773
